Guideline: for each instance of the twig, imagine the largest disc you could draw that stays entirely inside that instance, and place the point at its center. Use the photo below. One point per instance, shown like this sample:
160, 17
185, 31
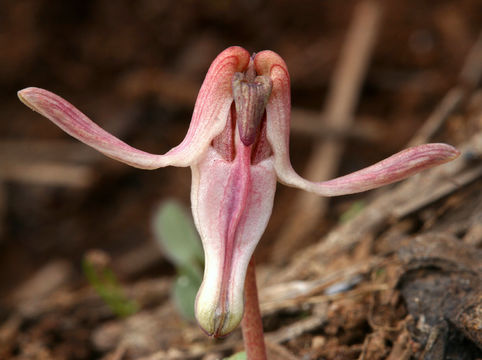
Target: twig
468, 79
47, 173
319, 316
273, 296
9, 331
3, 209
279, 352
171, 88
318, 299
323, 163
435, 193
117, 354
191, 353
43, 283
307, 123
300, 327
43, 150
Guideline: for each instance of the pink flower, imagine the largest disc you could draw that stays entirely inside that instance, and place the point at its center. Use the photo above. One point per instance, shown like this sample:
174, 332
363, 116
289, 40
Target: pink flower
237, 148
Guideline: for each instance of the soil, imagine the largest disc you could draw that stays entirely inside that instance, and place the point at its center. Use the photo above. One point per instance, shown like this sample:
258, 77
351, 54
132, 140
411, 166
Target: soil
390, 274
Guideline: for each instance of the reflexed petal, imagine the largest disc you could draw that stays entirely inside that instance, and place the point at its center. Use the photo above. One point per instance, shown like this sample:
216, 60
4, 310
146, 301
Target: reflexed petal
278, 109
78, 125
395, 168
208, 120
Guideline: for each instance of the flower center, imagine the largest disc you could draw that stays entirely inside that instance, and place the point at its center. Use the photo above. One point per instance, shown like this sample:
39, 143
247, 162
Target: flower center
248, 114
251, 94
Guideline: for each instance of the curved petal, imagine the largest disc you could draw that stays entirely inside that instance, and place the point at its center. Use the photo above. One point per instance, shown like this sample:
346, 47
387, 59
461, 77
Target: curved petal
278, 113
392, 169
212, 105
208, 120
396, 167
278, 116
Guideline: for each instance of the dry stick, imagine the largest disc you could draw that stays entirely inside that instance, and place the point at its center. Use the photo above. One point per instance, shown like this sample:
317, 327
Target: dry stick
48, 163
30, 151
307, 123
48, 173
3, 209
444, 189
279, 352
275, 298
341, 103
252, 325
468, 79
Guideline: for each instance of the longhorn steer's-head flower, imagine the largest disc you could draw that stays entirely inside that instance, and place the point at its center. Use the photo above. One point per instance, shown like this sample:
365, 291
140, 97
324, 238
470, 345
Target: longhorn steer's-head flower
237, 147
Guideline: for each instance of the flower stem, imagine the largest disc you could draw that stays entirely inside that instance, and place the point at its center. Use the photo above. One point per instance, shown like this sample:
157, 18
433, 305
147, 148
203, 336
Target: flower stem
252, 325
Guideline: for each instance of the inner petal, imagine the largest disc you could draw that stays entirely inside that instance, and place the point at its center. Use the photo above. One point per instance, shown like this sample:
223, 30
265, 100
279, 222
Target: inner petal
251, 94
261, 148
232, 205
224, 142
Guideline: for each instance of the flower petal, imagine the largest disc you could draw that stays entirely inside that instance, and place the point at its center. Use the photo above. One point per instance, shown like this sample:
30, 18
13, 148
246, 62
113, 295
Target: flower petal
231, 203
208, 120
278, 109
392, 169
396, 167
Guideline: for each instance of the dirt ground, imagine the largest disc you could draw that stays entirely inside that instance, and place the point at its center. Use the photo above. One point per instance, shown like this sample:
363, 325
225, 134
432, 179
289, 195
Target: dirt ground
395, 273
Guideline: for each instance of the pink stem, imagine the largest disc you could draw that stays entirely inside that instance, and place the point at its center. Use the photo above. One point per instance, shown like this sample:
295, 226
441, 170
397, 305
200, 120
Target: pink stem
252, 325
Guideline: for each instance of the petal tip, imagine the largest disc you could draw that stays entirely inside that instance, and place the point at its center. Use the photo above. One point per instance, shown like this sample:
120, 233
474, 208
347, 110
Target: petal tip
453, 153
442, 152
216, 323
25, 96
32, 97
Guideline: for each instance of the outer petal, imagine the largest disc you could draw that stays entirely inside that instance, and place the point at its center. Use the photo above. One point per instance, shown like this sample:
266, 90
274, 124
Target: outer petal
392, 169
278, 112
395, 168
208, 120
232, 203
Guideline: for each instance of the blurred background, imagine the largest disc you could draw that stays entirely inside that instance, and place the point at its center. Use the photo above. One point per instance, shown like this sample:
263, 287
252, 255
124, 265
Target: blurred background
135, 68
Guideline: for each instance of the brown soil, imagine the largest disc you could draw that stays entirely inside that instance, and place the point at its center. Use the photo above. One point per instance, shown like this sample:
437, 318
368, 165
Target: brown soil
401, 279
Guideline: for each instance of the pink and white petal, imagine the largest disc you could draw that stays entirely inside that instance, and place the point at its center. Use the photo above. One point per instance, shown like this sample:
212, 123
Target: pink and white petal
232, 203
392, 169
212, 105
278, 116
75, 123
209, 117
278, 112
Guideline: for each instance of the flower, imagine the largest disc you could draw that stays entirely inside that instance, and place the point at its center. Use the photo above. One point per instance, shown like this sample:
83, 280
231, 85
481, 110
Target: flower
237, 147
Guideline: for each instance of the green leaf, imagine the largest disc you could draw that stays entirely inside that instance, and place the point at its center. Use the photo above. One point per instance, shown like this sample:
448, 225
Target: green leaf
238, 356
184, 295
353, 211
177, 236
108, 288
